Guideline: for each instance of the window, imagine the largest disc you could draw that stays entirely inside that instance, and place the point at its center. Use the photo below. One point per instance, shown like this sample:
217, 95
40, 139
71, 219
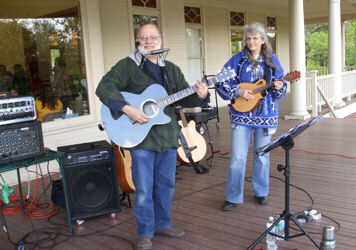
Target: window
44, 50
237, 19
194, 51
194, 43
237, 22
145, 3
272, 33
192, 14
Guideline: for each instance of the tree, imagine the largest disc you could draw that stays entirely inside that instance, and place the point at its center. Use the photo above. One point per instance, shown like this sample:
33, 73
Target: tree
350, 30
316, 44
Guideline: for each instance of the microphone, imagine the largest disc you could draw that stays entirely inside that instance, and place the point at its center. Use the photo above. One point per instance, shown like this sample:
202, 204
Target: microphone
157, 51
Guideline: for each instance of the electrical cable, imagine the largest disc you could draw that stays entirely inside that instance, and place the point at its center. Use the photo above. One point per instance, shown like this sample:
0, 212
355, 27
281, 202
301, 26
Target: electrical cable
34, 204
35, 210
45, 210
4, 226
249, 178
31, 214
97, 233
301, 150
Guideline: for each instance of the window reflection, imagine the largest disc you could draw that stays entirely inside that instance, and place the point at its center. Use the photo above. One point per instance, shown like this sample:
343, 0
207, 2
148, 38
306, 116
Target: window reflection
45, 50
236, 41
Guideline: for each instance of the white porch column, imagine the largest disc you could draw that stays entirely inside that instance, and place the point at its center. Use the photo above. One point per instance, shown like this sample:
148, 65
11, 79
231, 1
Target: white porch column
335, 50
297, 60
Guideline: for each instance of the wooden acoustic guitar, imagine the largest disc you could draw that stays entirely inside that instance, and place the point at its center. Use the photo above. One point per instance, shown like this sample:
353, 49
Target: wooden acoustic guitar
123, 167
195, 141
246, 105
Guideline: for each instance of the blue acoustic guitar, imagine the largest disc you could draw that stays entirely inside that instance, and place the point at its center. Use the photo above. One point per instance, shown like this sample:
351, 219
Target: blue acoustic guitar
152, 101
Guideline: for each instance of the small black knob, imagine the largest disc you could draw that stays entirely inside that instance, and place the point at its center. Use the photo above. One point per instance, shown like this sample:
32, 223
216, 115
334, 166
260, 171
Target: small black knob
280, 167
101, 127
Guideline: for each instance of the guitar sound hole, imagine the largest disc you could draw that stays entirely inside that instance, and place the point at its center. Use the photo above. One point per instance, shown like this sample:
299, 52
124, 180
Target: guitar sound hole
150, 109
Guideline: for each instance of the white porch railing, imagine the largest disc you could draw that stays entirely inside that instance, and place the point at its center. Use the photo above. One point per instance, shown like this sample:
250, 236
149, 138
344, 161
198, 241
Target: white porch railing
322, 71
315, 99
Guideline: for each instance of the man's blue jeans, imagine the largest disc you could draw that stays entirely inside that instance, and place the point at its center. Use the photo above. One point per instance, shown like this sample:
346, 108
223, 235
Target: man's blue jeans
153, 174
240, 140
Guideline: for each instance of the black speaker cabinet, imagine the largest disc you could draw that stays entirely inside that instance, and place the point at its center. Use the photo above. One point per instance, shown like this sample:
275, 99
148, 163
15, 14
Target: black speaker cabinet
91, 180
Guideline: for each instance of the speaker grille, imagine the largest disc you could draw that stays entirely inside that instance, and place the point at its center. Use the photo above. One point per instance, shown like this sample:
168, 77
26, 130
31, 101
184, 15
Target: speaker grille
91, 180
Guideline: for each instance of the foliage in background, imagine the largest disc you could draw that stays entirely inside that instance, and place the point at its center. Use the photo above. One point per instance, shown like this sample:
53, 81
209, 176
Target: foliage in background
350, 36
316, 44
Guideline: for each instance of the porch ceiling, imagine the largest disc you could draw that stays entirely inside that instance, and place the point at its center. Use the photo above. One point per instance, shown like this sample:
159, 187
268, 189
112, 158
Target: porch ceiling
315, 11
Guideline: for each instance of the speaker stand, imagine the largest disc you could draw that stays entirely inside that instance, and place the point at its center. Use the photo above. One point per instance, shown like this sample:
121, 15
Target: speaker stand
211, 158
123, 196
286, 215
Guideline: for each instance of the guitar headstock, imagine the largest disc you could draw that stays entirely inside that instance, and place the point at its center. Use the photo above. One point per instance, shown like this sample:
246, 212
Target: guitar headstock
292, 76
225, 74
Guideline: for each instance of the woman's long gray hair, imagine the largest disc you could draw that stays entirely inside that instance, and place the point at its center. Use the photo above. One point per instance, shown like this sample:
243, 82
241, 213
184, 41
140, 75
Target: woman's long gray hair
266, 49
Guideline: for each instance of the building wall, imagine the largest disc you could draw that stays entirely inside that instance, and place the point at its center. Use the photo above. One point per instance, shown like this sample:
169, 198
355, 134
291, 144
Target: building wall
173, 32
114, 16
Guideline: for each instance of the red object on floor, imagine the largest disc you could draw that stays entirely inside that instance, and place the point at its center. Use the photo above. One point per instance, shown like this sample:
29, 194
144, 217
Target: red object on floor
352, 116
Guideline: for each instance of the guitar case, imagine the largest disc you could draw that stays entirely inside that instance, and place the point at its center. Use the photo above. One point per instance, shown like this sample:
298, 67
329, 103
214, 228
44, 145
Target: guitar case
198, 168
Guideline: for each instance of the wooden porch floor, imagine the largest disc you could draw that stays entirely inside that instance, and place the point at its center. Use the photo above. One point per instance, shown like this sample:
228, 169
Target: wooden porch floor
322, 164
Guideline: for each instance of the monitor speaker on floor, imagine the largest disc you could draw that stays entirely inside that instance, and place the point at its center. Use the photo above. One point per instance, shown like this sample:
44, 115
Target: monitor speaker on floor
91, 180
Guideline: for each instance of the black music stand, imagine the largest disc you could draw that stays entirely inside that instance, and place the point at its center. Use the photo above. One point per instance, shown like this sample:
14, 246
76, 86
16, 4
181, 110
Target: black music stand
286, 141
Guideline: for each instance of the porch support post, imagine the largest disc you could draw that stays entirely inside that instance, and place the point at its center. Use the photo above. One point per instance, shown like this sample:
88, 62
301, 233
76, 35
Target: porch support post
335, 50
297, 61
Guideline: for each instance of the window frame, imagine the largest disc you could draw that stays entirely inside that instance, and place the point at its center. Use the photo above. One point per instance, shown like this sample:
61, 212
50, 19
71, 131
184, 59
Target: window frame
274, 31
236, 27
197, 26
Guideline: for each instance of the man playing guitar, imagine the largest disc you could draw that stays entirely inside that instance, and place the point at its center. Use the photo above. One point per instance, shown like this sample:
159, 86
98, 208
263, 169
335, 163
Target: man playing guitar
153, 159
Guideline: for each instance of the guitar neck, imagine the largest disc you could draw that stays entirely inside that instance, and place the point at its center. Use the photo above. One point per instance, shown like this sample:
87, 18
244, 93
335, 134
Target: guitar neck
161, 103
182, 117
267, 86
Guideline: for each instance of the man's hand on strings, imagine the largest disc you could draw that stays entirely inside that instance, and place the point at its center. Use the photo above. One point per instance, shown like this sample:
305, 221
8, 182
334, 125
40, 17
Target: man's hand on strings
202, 90
135, 114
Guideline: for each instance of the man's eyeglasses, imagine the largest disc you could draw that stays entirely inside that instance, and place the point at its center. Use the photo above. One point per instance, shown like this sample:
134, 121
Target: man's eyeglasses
145, 38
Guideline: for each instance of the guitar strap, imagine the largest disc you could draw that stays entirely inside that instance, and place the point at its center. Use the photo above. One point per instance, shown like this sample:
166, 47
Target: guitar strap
188, 154
268, 76
163, 79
